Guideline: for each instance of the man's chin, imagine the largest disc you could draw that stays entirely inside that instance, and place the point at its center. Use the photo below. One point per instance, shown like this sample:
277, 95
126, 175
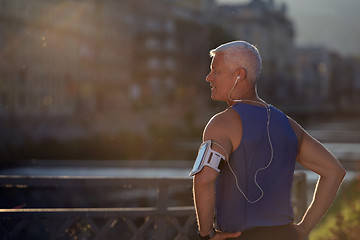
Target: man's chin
215, 98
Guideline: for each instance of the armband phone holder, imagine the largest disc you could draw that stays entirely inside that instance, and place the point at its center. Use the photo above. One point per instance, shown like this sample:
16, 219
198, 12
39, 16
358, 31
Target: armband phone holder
207, 157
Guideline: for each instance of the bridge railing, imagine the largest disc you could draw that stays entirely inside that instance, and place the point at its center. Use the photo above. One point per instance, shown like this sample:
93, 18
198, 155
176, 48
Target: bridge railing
159, 222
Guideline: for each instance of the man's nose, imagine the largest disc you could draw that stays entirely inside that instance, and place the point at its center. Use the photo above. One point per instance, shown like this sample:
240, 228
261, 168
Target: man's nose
208, 77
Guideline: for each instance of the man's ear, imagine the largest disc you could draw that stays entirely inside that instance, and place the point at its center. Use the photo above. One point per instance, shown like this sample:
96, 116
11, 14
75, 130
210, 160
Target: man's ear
241, 73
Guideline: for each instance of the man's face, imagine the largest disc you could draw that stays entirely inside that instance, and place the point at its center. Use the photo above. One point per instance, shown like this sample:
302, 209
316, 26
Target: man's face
219, 78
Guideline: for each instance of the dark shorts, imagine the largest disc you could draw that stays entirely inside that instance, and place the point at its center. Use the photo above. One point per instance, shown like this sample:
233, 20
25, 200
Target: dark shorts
285, 232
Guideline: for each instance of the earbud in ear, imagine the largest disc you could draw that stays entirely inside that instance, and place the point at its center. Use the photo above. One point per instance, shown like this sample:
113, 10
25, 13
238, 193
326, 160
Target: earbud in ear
237, 79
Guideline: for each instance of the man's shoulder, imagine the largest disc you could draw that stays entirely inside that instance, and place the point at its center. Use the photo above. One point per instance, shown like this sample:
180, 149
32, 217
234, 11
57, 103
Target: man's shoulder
298, 130
223, 120
225, 126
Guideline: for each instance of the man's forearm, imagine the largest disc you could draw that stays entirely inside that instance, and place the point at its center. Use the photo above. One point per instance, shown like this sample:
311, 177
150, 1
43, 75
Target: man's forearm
324, 195
204, 197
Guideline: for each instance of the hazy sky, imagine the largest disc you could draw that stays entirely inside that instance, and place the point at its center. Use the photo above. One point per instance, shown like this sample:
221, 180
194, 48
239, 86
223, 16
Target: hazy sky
332, 23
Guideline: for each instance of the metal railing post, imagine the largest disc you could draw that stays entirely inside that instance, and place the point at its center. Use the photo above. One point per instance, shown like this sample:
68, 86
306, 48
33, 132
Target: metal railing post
300, 195
162, 204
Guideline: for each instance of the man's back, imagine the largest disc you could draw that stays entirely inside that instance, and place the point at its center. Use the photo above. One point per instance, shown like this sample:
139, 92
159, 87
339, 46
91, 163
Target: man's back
263, 170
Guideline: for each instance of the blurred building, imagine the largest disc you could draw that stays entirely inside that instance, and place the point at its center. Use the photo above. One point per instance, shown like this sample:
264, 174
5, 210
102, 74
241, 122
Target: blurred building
326, 80
74, 68
99, 66
171, 58
267, 26
56, 56
354, 65
313, 65
345, 88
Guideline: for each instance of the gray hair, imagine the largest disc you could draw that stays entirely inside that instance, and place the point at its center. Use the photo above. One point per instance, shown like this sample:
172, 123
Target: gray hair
241, 54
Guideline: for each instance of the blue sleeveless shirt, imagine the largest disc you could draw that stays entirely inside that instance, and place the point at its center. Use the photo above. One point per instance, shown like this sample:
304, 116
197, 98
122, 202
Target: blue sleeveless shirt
233, 212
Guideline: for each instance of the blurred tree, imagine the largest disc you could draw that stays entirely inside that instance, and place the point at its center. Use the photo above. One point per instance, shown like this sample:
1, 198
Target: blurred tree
342, 222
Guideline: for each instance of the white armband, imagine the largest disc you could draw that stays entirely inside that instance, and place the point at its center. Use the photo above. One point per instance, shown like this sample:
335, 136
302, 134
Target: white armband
207, 157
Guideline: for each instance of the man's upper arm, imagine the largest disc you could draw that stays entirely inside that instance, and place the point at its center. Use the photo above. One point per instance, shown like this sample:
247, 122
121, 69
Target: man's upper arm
215, 131
313, 155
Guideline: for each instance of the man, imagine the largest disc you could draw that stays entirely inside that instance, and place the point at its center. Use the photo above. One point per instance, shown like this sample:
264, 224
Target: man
250, 194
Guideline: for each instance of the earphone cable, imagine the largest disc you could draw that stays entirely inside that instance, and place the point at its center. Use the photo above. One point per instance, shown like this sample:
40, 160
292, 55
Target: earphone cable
268, 113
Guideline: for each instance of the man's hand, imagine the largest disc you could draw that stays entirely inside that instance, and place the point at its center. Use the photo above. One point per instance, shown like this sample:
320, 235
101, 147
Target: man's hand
225, 235
301, 231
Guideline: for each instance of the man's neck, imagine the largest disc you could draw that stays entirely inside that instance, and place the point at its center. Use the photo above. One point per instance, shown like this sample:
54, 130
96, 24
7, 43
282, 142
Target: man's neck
249, 96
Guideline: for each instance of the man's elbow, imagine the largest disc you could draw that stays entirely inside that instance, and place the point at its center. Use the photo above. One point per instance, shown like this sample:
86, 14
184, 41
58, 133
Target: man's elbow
341, 173
338, 173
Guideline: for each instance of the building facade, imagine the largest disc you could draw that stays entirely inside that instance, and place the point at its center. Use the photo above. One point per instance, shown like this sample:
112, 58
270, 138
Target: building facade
313, 81
56, 56
75, 68
326, 80
99, 65
267, 26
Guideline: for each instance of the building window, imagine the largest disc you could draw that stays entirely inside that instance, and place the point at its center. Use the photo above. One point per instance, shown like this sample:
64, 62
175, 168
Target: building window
153, 25
23, 74
170, 83
154, 63
152, 43
47, 100
169, 63
169, 26
170, 44
155, 85
321, 68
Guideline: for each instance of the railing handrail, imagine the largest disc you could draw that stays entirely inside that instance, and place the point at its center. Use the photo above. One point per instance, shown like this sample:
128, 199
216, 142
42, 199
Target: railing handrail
79, 181
94, 212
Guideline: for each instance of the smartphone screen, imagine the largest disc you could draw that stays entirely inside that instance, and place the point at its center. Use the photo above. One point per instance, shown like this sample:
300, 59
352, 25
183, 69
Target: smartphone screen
199, 157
